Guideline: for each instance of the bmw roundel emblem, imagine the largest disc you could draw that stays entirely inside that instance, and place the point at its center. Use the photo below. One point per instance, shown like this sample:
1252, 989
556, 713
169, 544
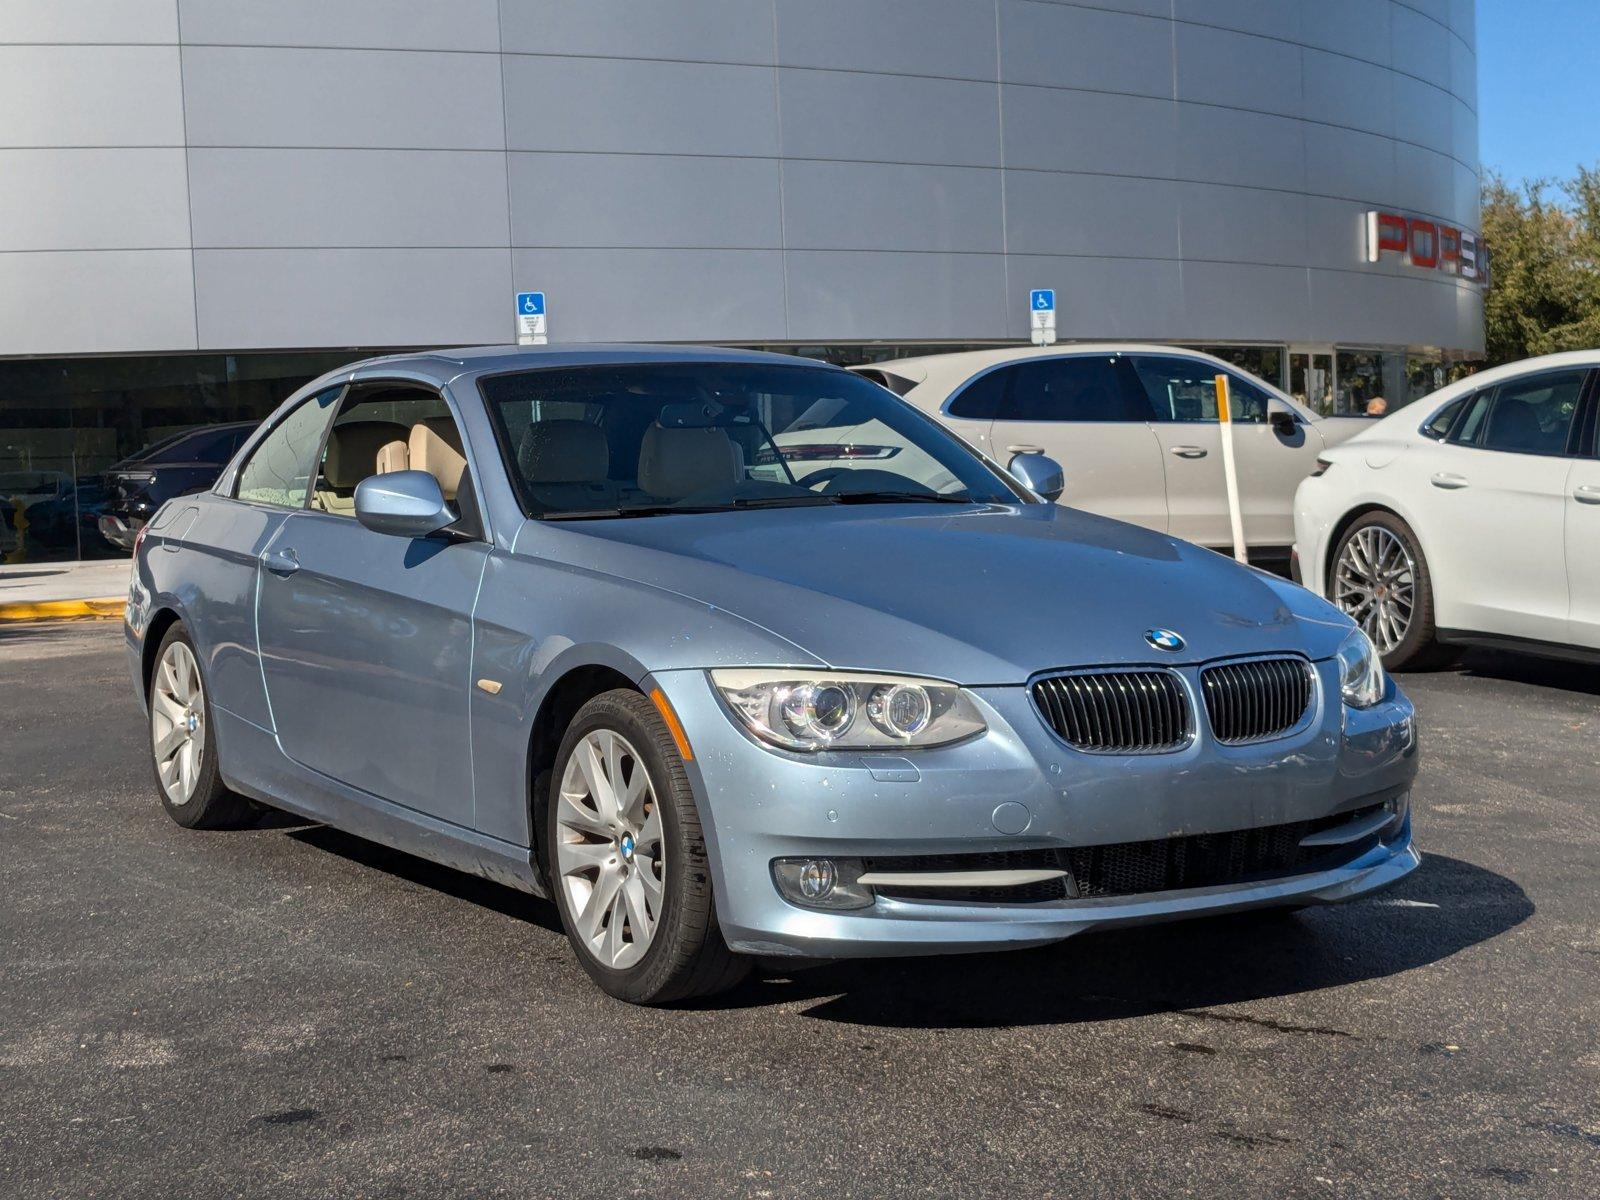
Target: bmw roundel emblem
1164, 639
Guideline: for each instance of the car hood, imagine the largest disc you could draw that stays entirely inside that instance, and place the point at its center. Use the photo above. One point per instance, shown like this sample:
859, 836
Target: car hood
980, 595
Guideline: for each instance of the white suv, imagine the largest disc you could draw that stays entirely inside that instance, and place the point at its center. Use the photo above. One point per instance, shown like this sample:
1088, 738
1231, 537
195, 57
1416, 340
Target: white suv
1135, 428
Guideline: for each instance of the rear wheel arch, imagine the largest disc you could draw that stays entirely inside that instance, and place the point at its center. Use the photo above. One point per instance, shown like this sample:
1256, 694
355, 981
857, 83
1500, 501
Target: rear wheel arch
162, 620
1343, 525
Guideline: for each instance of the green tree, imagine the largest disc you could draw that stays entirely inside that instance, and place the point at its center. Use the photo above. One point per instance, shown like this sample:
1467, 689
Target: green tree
1544, 290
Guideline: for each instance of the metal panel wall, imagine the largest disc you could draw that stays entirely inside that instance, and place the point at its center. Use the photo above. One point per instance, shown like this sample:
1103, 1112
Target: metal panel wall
182, 174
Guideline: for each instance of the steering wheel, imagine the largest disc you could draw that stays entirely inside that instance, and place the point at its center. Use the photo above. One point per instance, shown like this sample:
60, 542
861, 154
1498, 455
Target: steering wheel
821, 476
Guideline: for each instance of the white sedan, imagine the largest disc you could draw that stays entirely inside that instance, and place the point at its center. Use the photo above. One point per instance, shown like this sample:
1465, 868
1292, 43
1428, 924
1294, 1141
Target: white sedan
1472, 517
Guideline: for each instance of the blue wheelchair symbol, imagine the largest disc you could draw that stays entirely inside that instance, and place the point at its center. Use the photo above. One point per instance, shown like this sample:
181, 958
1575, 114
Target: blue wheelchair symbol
1042, 300
530, 304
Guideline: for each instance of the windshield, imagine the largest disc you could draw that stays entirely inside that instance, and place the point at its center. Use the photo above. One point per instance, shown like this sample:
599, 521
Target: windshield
644, 438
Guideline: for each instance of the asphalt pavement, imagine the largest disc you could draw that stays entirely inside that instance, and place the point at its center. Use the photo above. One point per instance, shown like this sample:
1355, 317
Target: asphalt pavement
288, 1011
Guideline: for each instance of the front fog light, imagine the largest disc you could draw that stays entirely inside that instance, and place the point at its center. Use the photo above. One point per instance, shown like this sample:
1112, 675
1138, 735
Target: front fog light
821, 882
1398, 808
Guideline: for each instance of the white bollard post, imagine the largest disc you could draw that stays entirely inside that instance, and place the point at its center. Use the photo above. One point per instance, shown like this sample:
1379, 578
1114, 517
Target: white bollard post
1230, 473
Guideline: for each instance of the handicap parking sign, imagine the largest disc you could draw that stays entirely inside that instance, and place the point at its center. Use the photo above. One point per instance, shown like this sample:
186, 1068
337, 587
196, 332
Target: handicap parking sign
531, 329
1042, 315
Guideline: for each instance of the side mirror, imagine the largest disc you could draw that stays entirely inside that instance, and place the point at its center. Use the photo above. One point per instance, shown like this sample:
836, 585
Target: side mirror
1282, 422
406, 504
1040, 474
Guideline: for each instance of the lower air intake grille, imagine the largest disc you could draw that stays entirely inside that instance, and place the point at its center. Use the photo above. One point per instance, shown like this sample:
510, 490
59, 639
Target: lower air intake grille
1248, 701
1116, 711
1131, 868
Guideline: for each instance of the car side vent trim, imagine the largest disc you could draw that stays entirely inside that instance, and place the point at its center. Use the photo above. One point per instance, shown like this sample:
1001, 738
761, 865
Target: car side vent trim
1257, 699
1116, 712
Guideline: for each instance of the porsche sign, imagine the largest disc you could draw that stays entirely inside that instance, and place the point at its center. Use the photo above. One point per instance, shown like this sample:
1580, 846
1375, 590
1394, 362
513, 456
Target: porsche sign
1428, 245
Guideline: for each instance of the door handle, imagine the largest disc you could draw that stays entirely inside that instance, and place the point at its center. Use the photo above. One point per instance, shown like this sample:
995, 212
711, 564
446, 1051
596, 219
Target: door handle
281, 562
1587, 493
1024, 449
1450, 482
1189, 451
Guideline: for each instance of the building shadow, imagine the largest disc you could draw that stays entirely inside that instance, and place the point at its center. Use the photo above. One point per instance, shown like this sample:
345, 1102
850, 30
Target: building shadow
1188, 966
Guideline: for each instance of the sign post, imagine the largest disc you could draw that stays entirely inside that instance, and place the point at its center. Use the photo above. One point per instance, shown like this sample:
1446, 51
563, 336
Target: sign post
1230, 474
531, 329
1042, 311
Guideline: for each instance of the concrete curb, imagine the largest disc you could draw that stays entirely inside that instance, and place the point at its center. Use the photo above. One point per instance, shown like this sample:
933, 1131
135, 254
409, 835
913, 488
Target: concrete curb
100, 609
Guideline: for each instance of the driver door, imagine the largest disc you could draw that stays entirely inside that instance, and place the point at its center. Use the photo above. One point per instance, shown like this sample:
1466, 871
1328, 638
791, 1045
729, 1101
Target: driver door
366, 638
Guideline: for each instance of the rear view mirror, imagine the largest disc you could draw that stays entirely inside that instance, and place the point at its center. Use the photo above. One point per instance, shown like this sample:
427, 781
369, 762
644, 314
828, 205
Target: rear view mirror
405, 504
1040, 474
1283, 423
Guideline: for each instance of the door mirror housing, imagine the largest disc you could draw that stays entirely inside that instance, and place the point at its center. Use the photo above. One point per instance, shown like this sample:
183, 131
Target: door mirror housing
405, 504
1040, 474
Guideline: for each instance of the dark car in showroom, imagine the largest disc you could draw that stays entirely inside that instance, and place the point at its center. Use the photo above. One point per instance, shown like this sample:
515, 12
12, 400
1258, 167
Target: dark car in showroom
175, 466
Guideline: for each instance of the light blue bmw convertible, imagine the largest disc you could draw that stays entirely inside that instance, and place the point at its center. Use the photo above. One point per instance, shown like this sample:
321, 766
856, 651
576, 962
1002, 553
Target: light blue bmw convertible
594, 622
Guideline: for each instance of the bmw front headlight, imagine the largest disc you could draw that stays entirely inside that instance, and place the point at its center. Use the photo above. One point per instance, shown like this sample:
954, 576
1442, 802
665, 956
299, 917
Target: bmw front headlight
1361, 678
847, 710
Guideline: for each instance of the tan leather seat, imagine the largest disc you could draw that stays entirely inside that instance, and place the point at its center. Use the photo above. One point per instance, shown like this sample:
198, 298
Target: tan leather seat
675, 462
351, 456
395, 456
435, 447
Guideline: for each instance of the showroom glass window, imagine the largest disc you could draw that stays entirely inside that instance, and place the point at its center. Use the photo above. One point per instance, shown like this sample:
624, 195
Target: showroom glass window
63, 421
1185, 389
279, 470
1533, 415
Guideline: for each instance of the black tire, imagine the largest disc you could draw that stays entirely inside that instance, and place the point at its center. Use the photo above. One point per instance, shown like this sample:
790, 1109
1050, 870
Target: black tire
1419, 649
210, 804
687, 956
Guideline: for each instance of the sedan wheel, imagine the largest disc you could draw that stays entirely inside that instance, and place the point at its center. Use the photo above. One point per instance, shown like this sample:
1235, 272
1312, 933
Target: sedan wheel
1380, 577
1375, 581
610, 856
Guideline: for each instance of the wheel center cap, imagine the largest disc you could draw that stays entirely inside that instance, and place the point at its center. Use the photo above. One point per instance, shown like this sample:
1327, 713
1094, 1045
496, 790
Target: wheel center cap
626, 845
191, 722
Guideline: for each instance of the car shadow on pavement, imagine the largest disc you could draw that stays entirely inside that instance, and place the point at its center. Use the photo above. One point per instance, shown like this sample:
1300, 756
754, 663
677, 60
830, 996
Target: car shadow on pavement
1188, 966
486, 893
1561, 674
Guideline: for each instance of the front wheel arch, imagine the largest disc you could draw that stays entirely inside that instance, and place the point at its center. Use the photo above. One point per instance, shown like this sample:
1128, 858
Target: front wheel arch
558, 706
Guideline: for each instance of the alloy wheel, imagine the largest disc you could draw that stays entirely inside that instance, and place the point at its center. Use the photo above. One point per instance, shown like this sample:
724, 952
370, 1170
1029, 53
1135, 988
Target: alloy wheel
178, 722
609, 852
1375, 582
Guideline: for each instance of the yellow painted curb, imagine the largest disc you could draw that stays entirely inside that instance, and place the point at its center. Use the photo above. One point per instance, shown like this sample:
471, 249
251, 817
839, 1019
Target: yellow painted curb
103, 609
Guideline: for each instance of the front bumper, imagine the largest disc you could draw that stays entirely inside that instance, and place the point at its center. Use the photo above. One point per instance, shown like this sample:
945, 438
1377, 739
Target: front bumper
759, 805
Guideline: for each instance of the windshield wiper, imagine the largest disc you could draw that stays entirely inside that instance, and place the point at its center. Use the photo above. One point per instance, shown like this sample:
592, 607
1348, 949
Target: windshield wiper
626, 510
900, 498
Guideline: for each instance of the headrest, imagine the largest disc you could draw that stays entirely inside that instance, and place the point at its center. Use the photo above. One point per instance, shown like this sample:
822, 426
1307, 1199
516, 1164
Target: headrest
674, 463
564, 452
393, 456
445, 427
352, 452
1514, 425
430, 452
